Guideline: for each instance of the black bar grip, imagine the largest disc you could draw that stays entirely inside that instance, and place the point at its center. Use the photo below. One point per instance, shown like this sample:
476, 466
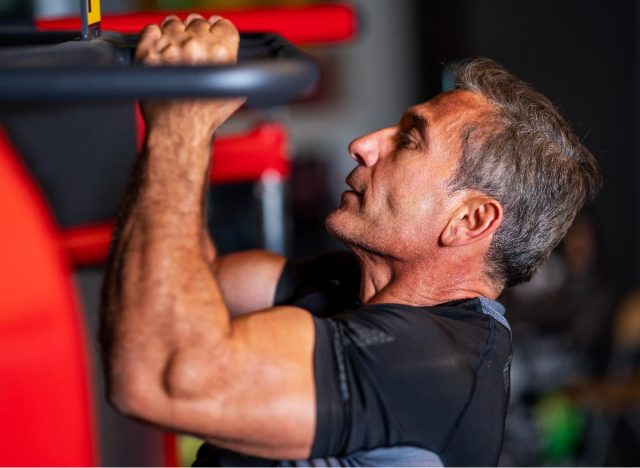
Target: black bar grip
270, 71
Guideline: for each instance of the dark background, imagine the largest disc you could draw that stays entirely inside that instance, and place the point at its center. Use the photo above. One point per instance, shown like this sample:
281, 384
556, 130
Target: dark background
584, 56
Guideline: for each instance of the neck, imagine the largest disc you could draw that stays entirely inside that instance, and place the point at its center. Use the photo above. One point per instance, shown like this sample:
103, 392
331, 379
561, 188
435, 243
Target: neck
421, 282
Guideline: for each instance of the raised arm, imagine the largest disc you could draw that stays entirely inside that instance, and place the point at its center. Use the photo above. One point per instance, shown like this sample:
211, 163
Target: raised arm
173, 355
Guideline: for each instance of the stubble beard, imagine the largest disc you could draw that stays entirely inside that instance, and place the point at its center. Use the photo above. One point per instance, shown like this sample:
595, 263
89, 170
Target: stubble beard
351, 238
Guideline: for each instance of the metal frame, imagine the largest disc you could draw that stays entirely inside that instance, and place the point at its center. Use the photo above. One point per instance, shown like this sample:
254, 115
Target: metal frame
270, 71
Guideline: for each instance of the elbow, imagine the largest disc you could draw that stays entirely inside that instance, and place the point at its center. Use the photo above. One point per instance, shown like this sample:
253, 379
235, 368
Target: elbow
134, 394
122, 402
131, 397
133, 389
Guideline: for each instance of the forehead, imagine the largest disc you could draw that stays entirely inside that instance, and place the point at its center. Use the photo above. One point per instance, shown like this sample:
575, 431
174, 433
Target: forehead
447, 116
457, 106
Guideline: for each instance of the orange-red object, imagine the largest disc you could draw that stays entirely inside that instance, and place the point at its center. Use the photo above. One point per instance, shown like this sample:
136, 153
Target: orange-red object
170, 450
88, 244
246, 157
47, 415
332, 23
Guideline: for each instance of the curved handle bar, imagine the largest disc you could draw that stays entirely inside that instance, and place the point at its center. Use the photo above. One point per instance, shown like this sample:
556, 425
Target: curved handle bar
270, 71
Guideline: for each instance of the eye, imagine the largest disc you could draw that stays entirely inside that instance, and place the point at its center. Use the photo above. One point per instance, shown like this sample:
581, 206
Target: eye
405, 141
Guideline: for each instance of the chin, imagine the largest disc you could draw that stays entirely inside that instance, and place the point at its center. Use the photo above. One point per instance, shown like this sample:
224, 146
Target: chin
332, 223
343, 227
337, 223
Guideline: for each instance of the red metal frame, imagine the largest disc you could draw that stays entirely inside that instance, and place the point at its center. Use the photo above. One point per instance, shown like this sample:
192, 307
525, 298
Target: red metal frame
316, 24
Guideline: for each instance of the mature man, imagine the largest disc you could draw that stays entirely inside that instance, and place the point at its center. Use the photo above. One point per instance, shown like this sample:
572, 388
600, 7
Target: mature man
400, 358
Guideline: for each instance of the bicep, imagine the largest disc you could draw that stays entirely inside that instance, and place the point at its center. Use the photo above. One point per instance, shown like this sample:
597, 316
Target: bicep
248, 279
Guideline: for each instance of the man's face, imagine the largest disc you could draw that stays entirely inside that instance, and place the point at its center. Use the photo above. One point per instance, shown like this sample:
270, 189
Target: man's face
400, 202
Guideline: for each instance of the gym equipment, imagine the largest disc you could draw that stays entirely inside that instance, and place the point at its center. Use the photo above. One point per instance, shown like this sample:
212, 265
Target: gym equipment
46, 396
307, 25
269, 71
86, 65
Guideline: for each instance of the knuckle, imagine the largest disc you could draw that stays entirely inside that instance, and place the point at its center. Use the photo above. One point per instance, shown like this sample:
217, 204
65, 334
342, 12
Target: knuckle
228, 27
170, 19
197, 24
149, 34
194, 16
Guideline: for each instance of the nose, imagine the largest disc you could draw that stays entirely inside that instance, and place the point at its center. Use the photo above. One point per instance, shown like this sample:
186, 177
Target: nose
369, 148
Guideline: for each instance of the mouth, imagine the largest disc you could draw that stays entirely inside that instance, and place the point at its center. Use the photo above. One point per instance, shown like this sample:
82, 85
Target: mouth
353, 194
355, 187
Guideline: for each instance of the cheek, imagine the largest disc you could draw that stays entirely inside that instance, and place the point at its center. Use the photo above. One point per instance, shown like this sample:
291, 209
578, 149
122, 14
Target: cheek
412, 197
423, 213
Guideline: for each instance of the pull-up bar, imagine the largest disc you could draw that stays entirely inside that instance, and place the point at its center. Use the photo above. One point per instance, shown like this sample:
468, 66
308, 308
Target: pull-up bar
63, 66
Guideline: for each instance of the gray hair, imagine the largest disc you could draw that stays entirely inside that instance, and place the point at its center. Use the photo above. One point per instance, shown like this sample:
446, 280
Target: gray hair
525, 156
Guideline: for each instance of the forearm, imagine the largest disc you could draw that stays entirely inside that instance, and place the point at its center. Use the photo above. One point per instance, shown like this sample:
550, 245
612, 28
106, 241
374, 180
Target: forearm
173, 356
161, 300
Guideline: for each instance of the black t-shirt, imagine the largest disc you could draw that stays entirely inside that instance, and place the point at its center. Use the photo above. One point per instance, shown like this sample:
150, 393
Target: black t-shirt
396, 385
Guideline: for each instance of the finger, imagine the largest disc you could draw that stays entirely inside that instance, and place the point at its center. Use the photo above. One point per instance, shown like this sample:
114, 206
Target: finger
191, 17
198, 26
153, 58
194, 52
226, 40
149, 37
213, 19
171, 55
225, 29
172, 24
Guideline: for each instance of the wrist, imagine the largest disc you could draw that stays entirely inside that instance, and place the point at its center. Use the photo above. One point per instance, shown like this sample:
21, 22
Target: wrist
180, 151
176, 167
162, 137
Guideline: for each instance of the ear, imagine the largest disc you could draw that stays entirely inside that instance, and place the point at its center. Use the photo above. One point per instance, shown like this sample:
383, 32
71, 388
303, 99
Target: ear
476, 218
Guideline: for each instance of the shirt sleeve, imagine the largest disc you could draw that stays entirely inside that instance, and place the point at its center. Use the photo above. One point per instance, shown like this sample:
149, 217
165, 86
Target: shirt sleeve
388, 376
353, 410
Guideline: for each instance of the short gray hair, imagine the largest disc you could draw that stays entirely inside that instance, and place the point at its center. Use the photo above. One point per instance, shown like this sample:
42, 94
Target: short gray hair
525, 156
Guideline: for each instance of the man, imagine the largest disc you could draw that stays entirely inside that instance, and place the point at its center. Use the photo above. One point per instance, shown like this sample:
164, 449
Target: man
399, 359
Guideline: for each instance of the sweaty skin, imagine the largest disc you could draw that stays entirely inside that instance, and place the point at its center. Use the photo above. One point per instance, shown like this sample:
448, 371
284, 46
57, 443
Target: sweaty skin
189, 338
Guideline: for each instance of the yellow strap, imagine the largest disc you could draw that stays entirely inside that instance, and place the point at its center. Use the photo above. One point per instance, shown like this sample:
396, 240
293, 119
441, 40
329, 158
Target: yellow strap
93, 10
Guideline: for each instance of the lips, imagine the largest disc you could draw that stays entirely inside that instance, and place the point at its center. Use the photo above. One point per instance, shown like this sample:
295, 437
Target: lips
356, 186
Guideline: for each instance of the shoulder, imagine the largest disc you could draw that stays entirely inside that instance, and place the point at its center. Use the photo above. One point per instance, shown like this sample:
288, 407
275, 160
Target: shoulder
450, 341
467, 317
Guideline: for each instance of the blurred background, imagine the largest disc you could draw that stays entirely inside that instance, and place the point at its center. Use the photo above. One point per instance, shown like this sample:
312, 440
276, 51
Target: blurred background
576, 325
